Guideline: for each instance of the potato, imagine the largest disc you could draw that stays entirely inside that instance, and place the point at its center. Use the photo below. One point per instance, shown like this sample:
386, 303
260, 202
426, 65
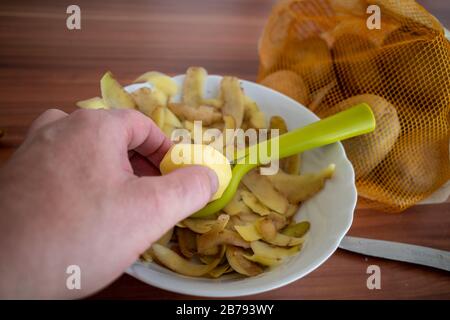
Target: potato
265, 192
92, 103
413, 177
358, 26
235, 257
367, 151
233, 99
173, 261
414, 68
288, 83
193, 87
113, 94
160, 81
311, 59
355, 60
182, 155
275, 31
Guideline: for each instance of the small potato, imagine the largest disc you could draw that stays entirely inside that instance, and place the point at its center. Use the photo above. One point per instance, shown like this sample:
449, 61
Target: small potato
416, 166
367, 151
288, 83
311, 59
415, 70
182, 155
355, 62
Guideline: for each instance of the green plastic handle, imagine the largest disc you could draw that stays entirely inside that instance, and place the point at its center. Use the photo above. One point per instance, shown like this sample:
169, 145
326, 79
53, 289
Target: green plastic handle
352, 122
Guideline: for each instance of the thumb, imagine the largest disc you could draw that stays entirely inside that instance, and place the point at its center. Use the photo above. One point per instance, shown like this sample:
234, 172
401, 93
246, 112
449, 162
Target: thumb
165, 200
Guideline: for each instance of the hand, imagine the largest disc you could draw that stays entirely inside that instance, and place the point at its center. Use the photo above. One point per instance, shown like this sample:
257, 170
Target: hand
71, 195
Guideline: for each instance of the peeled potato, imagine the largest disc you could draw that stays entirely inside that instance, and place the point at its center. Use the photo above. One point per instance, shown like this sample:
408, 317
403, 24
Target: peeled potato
288, 83
113, 94
182, 155
368, 150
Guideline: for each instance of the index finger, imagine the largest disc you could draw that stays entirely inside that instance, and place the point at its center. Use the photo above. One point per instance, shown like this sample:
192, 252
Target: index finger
143, 135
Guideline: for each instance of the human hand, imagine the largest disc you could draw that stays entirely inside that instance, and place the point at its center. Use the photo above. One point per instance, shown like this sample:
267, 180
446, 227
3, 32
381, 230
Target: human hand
71, 195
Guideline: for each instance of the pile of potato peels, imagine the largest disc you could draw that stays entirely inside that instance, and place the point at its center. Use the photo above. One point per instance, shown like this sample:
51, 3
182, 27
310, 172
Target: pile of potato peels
256, 230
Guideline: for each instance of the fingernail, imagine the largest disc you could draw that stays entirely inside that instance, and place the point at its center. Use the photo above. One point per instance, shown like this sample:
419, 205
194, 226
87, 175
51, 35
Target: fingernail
213, 180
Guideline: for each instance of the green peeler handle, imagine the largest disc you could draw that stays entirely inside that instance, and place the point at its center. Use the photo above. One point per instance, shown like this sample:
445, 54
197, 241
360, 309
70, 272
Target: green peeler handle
343, 125
352, 122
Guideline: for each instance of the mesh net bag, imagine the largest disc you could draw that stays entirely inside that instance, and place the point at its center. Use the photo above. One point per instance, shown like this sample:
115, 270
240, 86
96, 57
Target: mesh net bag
322, 54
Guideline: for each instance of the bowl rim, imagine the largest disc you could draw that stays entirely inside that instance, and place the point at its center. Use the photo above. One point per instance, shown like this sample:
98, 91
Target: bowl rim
326, 254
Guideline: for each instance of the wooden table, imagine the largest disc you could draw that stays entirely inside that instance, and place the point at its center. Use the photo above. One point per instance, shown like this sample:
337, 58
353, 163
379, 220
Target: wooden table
44, 65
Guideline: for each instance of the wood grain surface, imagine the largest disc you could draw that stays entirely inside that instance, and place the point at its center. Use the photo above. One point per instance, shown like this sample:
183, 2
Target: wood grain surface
44, 65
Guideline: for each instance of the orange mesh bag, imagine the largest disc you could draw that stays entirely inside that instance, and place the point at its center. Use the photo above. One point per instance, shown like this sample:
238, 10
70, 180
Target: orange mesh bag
322, 53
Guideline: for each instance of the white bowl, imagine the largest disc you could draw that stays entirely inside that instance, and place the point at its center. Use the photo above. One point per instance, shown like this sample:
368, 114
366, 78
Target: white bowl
330, 211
